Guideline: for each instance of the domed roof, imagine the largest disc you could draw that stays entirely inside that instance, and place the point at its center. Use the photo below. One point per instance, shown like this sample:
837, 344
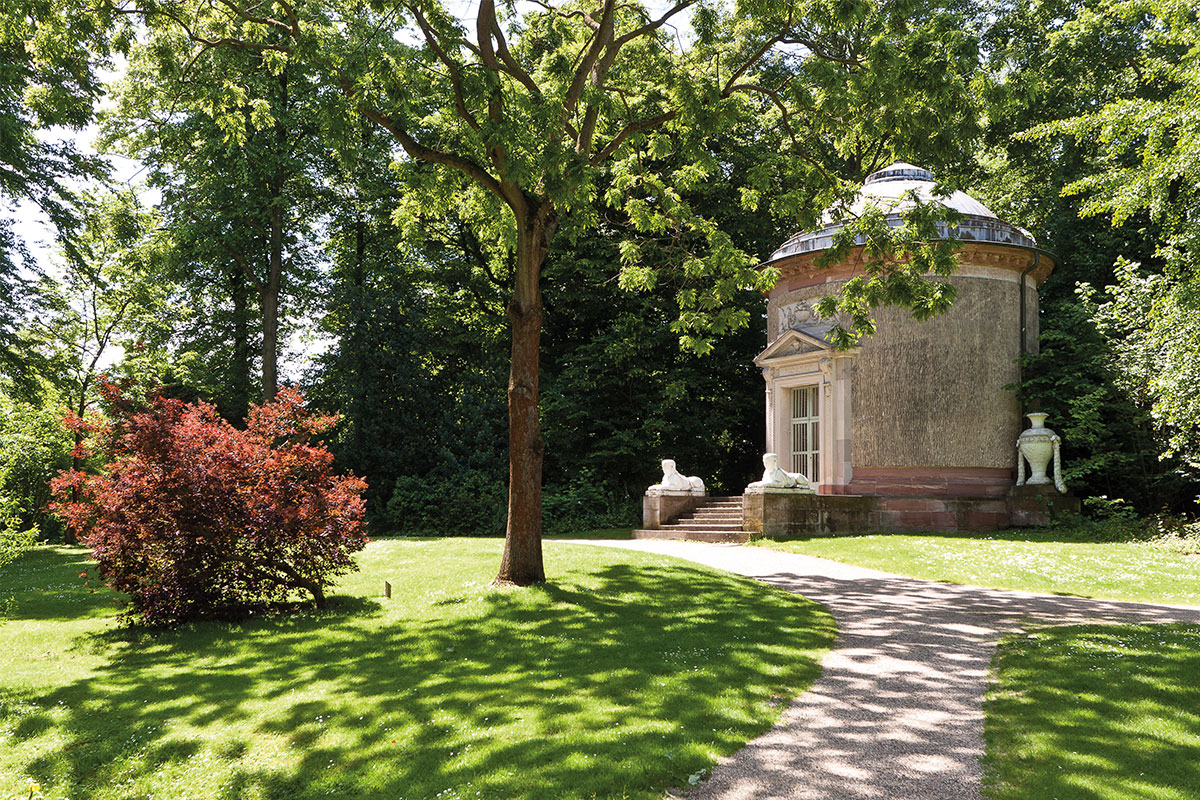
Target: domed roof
888, 189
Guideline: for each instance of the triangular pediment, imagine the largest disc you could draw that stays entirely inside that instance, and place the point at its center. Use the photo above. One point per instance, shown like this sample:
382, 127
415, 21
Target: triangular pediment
793, 343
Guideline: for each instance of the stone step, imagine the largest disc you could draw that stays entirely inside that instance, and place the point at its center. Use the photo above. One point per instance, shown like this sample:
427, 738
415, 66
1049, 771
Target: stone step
738, 537
700, 525
714, 518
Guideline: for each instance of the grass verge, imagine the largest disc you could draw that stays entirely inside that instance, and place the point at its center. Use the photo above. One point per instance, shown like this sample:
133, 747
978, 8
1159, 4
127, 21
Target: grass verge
602, 533
629, 673
1106, 712
1035, 560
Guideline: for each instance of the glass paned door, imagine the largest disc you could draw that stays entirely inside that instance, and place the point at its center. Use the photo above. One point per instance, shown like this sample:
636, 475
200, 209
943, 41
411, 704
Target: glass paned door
806, 433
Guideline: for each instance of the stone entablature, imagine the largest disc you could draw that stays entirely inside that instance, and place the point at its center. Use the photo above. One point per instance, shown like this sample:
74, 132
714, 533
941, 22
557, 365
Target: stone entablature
996, 261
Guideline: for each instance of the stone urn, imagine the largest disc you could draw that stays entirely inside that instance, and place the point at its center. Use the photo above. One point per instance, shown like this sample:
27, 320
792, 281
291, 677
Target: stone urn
1038, 445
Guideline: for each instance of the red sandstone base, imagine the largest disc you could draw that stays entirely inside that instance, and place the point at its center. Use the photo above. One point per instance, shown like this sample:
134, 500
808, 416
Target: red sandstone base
970, 482
792, 515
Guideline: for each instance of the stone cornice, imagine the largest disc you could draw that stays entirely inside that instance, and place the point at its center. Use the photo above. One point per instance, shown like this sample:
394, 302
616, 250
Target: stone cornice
799, 271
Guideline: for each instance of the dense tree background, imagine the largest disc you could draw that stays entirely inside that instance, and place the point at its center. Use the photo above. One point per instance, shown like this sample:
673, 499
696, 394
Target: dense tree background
287, 238
1095, 202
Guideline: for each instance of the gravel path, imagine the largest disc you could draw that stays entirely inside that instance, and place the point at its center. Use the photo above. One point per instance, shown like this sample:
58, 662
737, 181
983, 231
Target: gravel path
897, 713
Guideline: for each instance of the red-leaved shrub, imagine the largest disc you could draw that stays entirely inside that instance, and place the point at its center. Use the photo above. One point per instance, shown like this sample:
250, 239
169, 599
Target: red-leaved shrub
194, 518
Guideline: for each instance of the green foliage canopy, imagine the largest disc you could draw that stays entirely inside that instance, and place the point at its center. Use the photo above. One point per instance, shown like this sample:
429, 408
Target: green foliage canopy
49, 54
1047, 61
1148, 165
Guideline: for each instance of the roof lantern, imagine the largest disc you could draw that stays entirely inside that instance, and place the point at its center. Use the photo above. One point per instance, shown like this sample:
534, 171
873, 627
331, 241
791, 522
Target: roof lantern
891, 189
900, 172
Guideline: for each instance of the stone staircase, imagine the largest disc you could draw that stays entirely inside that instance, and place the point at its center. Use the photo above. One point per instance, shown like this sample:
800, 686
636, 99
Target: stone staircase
718, 520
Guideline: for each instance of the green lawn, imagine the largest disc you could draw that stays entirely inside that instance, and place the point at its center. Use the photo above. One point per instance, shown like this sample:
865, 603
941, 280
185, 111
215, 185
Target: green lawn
1095, 713
1038, 560
627, 674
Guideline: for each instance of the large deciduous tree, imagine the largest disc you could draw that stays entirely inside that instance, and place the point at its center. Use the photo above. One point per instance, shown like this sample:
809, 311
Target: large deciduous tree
513, 118
49, 52
1049, 60
234, 143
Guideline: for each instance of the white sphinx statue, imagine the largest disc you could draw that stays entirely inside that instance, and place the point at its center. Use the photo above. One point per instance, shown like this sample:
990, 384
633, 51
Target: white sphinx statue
673, 481
775, 479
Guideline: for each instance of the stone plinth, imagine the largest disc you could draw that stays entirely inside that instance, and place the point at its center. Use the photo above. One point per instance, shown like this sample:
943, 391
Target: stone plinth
1039, 504
783, 514
662, 506
931, 481
790, 514
682, 535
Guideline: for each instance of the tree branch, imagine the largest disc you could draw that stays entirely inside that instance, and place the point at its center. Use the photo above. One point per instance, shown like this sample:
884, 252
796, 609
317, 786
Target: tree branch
820, 52
750, 62
512, 67
455, 73
423, 153
245, 14
485, 25
630, 129
652, 26
787, 122
243, 266
224, 41
599, 40
567, 15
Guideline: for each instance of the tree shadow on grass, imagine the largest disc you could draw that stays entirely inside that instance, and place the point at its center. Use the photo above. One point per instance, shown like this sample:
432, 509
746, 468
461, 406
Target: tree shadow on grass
1097, 712
615, 687
46, 585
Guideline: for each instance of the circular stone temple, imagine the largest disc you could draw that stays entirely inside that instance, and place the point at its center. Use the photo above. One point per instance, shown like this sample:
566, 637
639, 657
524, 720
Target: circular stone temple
921, 409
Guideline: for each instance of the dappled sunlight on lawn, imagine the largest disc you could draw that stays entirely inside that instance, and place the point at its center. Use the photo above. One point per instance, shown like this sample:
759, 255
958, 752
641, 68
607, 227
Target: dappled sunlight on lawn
626, 674
898, 710
1096, 712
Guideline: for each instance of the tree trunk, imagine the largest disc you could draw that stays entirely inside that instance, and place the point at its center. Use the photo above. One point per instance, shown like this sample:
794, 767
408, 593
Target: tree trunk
69, 536
521, 564
357, 336
270, 293
270, 306
239, 367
